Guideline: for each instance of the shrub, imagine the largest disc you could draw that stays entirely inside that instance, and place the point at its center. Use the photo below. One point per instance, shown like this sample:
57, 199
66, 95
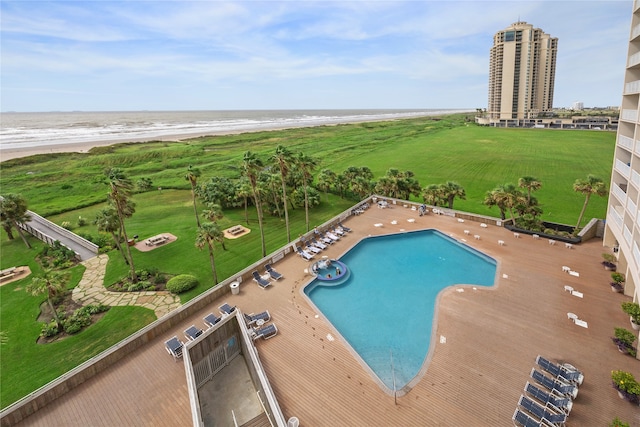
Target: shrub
49, 329
66, 225
633, 310
81, 221
78, 320
626, 384
181, 283
617, 422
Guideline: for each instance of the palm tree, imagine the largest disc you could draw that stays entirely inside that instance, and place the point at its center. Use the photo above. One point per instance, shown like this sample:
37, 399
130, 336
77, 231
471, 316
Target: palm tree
283, 158
251, 167
591, 186
51, 283
306, 164
120, 191
107, 221
531, 184
451, 190
432, 195
13, 212
192, 176
213, 212
493, 198
326, 179
208, 233
243, 191
361, 187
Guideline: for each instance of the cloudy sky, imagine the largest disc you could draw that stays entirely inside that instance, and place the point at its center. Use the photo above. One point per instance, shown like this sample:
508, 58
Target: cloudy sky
215, 55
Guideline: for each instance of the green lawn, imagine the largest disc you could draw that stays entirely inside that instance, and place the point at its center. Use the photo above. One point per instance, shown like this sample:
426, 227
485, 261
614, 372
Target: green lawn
66, 186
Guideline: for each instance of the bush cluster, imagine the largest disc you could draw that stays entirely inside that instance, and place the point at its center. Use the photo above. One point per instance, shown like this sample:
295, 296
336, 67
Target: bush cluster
181, 283
57, 256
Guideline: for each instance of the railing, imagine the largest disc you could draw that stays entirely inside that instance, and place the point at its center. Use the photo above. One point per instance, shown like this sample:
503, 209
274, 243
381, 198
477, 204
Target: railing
264, 408
632, 87
619, 193
631, 207
626, 142
627, 234
636, 253
623, 168
617, 218
633, 60
629, 115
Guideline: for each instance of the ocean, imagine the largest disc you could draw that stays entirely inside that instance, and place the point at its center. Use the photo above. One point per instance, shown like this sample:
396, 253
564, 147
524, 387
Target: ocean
40, 130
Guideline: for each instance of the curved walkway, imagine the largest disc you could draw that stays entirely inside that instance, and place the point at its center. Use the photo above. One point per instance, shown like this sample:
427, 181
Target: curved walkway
91, 290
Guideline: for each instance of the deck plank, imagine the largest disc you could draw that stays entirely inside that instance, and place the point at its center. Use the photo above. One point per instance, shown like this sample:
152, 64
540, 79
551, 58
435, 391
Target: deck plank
492, 338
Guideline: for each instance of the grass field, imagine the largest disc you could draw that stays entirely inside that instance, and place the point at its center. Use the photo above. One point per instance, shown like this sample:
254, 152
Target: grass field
66, 186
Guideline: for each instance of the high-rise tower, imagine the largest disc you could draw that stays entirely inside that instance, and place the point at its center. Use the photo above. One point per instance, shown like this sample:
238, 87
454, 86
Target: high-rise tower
522, 70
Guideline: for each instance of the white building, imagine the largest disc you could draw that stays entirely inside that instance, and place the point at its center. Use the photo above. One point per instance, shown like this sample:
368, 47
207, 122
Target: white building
622, 230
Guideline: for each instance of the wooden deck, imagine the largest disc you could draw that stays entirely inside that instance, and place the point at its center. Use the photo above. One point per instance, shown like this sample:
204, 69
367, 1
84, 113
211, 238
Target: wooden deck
475, 379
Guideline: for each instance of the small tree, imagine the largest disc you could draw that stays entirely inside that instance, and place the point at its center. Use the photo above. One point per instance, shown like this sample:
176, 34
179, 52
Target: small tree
51, 283
590, 186
13, 212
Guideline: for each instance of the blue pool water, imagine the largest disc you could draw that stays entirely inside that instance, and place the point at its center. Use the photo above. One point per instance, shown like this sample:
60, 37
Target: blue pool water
385, 309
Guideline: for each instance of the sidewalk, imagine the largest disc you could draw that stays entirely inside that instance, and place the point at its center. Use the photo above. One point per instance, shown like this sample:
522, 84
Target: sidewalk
91, 290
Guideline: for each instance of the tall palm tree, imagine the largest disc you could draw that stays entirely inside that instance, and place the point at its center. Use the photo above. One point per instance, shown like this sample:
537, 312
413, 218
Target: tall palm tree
120, 191
493, 198
451, 190
13, 212
213, 212
192, 176
52, 283
283, 158
531, 184
306, 164
590, 186
243, 191
208, 233
251, 168
107, 221
432, 195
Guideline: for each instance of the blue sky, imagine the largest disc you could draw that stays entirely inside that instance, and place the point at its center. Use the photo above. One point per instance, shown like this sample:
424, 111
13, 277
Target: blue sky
215, 55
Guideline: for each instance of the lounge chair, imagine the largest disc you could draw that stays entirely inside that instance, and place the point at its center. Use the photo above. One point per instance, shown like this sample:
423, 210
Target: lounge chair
559, 371
260, 281
312, 248
563, 403
304, 254
347, 229
226, 309
337, 231
549, 413
174, 347
252, 318
265, 332
559, 386
319, 244
192, 332
326, 239
523, 419
332, 236
210, 320
274, 274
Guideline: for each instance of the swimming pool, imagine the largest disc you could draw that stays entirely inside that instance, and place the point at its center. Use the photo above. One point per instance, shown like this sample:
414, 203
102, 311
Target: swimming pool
385, 309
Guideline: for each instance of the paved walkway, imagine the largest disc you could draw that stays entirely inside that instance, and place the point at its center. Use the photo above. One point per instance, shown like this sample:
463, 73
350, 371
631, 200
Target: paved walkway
91, 290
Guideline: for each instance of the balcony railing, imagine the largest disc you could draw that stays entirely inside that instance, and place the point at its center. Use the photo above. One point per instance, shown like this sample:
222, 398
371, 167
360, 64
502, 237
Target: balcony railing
632, 208
617, 218
619, 193
628, 237
636, 253
633, 60
632, 87
623, 168
635, 178
629, 115
626, 142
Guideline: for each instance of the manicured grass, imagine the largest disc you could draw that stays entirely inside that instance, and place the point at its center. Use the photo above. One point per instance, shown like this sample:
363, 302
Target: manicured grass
66, 186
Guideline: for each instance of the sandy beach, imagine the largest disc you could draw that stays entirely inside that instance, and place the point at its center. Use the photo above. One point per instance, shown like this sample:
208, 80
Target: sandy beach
15, 152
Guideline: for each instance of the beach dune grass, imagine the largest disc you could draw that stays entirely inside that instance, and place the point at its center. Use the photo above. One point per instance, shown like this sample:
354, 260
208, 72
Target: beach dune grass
435, 149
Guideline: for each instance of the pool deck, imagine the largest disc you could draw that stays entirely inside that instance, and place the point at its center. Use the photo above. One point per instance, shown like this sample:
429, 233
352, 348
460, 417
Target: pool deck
474, 379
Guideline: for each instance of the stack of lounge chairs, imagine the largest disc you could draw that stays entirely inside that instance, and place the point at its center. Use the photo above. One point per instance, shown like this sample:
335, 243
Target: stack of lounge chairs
548, 401
360, 209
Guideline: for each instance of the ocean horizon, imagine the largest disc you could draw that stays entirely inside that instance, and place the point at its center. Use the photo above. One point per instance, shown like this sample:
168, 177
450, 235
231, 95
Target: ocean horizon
24, 130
